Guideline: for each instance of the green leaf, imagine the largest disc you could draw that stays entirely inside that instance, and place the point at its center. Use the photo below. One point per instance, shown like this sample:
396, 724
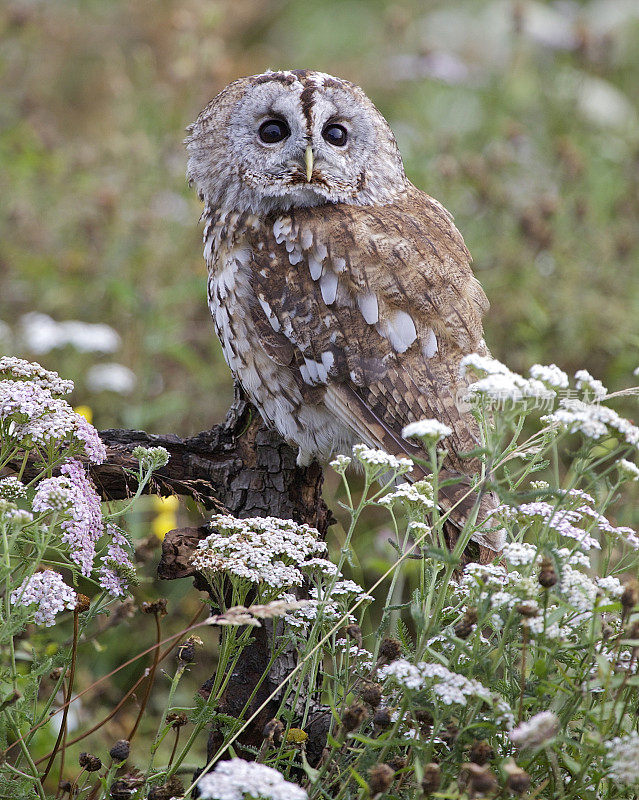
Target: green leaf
358, 778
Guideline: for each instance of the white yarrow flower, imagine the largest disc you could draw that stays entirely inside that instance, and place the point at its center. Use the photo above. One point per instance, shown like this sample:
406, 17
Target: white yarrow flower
497, 383
627, 468
418, 496
235, 779
41, 334
519, 553
590, 385
537, 731
623, 754
260, 549
378, 458
340, 463
429, 430
549, 374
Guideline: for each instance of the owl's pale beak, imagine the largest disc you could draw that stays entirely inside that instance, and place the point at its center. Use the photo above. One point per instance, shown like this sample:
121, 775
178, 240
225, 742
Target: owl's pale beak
308, 160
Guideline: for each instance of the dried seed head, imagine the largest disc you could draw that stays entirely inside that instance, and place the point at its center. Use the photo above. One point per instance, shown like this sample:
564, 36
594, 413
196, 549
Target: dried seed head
449, 736
156, 607
528, 609
381, 777
124, 787
186, 651
390, 650
423, 716
518, 780
83, 603
481, 753
480, 779
172, 788
273, 730
177, 720
120, 750
464, 627
432, 778
382, 718
354, 632
633, 632
89, 762
629, 598
471, 614
353, 717
372, 694
547, 575
398, 762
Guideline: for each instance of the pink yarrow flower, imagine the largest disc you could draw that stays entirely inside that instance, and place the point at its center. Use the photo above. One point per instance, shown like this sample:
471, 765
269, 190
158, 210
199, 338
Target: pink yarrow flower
30, 413
116, 564
49, 592
72, 495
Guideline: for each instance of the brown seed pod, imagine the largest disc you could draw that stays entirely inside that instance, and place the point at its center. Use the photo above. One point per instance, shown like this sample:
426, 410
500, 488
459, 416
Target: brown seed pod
177, 719
432, 778
398, 762
547, 576
372, 694
480, 779
481, 753
89, 762
172, 788
528, 609
83, 603
518, 780
381, 777
273, 730
354, 632
390, 650
382, 718
186, 651
155, 607
353, 717
120, 750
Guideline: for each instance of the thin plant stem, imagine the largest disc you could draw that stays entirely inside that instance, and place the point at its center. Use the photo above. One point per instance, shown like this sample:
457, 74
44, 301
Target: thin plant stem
128, 694
149, 685
98, 682
67, 700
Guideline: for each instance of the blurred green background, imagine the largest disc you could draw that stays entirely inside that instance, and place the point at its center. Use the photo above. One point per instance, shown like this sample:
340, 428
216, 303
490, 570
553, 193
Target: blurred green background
521, 117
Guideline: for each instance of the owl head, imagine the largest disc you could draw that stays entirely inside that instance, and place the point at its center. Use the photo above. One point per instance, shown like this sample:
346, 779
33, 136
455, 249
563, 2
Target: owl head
291, 139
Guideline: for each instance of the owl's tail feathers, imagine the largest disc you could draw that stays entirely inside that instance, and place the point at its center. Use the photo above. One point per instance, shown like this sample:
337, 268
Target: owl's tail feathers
460, 499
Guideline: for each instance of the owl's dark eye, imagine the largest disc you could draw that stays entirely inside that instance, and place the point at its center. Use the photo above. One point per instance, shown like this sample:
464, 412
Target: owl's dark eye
335, 134
273, 131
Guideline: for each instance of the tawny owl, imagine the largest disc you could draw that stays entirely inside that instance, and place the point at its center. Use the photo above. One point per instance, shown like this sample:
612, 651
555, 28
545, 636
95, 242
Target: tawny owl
341, 294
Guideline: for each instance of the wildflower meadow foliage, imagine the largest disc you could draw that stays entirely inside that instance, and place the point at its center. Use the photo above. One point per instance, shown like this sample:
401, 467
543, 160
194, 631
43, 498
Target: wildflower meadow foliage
446, 678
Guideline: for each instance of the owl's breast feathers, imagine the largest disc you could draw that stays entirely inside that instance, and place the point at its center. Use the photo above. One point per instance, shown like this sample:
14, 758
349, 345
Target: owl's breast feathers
367, 311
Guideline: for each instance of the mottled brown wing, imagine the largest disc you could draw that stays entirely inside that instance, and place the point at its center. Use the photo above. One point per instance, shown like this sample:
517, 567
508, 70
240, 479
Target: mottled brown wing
379, 305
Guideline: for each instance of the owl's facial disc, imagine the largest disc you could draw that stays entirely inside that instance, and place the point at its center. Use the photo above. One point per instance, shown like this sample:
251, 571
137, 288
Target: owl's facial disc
295, 139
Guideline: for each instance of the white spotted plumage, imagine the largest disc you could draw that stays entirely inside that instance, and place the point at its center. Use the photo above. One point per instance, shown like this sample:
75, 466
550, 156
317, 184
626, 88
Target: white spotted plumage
342, 295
